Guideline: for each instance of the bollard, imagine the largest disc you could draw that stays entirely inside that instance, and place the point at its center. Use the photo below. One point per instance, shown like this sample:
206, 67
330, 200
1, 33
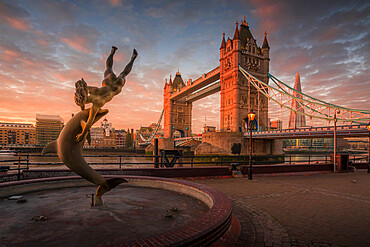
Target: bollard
155, 154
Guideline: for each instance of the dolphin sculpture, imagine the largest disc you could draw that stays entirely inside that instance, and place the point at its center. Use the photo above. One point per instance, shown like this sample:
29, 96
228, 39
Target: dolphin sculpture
70, 153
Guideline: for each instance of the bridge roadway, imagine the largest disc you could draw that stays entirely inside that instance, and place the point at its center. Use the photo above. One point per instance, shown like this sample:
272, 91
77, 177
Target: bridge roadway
312, 132
203, 81
302, 133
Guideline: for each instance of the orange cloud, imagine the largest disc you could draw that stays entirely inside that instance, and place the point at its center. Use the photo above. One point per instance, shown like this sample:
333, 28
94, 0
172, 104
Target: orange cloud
115, 2
77, 43
17, 23
10, 55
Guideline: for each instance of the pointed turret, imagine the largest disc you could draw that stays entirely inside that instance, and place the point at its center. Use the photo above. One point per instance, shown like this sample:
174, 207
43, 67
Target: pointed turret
265, 43
177, 82
223, 43
170, 80
236, 34
244, 34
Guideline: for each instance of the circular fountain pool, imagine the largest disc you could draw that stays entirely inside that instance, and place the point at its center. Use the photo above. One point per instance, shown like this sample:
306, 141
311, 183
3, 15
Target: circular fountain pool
146, 210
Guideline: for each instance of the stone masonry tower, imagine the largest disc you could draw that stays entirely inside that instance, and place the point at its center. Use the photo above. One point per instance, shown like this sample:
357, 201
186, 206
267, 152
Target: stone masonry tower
177, 114
238, 97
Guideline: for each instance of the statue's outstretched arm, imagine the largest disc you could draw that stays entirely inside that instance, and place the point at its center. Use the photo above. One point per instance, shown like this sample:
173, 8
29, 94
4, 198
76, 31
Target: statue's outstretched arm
128, 67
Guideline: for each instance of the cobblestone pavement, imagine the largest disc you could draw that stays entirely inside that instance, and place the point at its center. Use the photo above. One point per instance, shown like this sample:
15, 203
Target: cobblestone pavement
313, 210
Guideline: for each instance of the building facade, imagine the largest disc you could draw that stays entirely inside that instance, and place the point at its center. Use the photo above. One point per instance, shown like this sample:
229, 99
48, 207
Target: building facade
48, 128
120, 138
238, 97
17, 134
177, 114
103, 136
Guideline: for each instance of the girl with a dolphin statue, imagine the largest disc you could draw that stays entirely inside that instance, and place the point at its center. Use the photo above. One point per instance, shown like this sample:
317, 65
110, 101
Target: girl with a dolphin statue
71, 139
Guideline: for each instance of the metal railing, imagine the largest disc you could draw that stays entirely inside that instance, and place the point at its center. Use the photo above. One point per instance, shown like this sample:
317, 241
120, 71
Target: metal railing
20, 163
23, 161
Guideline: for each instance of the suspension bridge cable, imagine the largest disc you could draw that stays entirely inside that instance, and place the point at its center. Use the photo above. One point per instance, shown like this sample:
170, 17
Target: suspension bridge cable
318, 108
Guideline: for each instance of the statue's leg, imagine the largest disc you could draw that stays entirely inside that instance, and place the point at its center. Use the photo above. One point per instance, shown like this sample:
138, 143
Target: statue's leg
90, 121
109, 62
128, 67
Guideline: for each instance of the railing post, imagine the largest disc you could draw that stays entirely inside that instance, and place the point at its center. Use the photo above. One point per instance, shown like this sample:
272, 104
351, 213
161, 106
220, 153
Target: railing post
181, 158
120, 164
19, 166
309, 160
28, 161
290, 160
192, 159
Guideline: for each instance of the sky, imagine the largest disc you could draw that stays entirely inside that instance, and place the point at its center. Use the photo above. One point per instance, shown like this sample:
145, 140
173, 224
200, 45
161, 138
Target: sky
46, 46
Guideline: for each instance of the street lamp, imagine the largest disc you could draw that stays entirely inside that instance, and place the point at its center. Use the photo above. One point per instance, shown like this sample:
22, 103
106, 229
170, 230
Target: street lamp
335, 138
251, 116
368, 160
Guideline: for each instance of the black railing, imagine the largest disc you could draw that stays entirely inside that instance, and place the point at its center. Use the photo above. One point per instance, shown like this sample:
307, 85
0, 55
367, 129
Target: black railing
20, 163
23, 161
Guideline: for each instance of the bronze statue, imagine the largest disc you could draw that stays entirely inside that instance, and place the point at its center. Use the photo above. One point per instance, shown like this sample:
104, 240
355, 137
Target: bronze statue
111, 86
71, 139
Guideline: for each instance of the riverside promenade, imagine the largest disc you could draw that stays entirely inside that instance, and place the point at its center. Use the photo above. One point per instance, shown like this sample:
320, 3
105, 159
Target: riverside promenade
307, 209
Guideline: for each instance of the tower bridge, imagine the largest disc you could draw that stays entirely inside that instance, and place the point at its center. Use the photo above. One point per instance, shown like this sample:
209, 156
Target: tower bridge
237, 95
244, 83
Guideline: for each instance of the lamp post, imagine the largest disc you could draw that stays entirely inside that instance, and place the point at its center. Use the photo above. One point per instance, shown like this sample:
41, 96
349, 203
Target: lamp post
251, 116
335, 139
368, 160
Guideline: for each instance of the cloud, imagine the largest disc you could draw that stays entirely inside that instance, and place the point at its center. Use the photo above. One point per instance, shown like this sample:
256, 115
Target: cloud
48, 45
14, 16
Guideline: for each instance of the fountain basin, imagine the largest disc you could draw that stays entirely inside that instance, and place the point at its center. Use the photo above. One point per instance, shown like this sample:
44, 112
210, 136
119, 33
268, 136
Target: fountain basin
146, 211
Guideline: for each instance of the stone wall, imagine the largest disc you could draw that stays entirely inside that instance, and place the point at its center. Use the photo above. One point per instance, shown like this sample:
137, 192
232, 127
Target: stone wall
222, 142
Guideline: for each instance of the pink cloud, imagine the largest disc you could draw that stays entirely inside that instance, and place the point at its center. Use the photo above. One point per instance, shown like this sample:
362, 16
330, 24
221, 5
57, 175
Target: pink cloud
10, 55
115, 2
17, 23
328, 34
78, 43
269, 15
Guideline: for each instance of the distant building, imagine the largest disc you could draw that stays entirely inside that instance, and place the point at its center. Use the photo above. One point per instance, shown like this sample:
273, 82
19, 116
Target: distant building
315, 144
147, 132
48, 128
120, 138
297, 119
276, 125
103, 136
209, 129
17, 134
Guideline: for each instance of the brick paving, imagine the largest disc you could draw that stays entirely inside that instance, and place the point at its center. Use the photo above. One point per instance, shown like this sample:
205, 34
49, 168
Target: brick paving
311, 210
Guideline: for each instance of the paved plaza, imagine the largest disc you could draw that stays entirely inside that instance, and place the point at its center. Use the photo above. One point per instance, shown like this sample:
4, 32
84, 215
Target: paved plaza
327, 209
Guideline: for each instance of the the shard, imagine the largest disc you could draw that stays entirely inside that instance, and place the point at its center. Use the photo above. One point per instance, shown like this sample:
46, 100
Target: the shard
297, 120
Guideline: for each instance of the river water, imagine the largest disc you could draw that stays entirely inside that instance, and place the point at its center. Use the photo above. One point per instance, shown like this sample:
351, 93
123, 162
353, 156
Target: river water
129, 160
93, 158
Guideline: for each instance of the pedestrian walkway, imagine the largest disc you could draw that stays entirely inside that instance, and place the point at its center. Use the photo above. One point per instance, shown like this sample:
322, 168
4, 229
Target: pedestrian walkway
331, 209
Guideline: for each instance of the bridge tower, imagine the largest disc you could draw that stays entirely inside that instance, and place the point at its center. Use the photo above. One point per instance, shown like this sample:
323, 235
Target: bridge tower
238, 97
177, 113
